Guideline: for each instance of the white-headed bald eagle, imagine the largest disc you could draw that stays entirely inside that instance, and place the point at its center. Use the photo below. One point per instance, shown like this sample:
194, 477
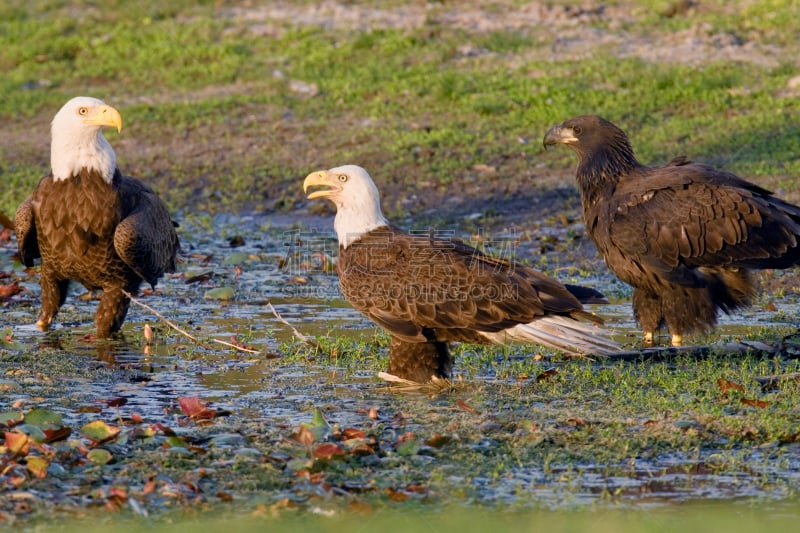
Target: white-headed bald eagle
426, 292
89, 223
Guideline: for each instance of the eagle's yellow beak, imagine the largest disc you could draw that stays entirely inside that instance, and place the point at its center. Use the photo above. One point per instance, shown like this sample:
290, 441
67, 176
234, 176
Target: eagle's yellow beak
321, 178
559, 134
104, 115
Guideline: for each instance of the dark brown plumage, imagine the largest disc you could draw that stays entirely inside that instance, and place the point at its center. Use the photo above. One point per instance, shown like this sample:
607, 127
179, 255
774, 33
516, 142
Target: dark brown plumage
427, 292
89, 223
684, 235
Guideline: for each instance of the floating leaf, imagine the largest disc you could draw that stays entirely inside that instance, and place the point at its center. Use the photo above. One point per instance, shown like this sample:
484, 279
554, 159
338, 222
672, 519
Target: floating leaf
319, 427
35, 433
38, 466
327, 451
358, 447
437, 440
55, 435
304, 436
195, 409
99, 456
174, 441
43, 418
353, 433
11, 418
220, 293
235, 258
116, 402
17, 443
407, 445
7, 291
98, 431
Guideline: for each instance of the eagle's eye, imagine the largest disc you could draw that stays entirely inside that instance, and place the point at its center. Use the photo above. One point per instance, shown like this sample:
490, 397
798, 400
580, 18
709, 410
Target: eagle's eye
83, 110
342, 177
577, 130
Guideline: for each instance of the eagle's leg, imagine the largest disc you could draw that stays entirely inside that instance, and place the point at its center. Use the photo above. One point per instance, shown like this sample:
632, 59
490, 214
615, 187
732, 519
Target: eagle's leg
111, 311
419, 361
647, 310
54, 294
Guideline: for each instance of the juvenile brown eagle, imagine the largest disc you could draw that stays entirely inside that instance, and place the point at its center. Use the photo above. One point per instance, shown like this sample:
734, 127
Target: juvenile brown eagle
426, 292
89, 223
684, 235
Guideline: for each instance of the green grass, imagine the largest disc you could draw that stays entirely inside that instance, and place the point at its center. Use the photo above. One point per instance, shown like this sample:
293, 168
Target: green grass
405, 103
697, 518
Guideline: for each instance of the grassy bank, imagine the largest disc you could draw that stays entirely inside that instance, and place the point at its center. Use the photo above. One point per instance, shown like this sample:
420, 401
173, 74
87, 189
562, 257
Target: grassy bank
227, 106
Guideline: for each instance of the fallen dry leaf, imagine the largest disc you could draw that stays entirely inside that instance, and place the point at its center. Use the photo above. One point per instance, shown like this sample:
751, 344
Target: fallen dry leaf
726, 385
754, 403
546, 375
195, 409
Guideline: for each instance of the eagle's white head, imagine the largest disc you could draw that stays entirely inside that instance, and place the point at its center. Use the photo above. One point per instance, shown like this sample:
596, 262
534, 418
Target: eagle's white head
77, 140
358, 203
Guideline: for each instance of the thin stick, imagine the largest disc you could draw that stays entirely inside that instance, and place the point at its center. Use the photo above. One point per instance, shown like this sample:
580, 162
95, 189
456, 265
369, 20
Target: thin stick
242, 348
183, 331
294, 330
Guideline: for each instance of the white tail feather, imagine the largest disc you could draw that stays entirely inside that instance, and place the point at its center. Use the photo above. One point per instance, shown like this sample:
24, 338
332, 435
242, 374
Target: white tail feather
558, 332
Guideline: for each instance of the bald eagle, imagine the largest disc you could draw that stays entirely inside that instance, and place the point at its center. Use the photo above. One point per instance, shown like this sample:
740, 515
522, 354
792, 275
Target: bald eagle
684, 235
426, 292
89, 223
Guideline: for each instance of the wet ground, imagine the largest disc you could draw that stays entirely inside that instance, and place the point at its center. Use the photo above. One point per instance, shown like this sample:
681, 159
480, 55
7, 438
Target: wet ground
502, 436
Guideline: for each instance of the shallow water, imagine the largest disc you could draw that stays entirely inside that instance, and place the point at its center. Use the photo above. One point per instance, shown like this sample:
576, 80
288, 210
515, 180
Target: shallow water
277, 265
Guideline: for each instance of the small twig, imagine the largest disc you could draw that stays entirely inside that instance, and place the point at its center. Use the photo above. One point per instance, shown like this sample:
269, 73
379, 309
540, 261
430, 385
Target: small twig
163, 318
398, 384
183, 331
294, 330
242, 348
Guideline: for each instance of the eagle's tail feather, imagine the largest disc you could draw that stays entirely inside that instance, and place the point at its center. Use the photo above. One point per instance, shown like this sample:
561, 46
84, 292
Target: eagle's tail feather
561, 333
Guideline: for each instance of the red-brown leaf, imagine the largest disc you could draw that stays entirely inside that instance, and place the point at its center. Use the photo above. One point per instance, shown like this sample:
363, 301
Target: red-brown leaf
116, 402
304, 436
437, 440
54, 435
761, 404
353, 433
7, 291
465, 406
396, 495
327, 451
726, 385
17, 442
195, 409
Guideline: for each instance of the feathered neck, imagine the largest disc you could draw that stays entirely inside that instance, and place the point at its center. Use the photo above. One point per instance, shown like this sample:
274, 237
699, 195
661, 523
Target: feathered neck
75, 149
604, 165
354, 219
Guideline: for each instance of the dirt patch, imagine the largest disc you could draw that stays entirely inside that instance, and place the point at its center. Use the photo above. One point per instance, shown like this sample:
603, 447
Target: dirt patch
565, 31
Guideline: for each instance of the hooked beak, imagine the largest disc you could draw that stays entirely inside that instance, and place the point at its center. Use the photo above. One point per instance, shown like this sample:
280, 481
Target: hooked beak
320, 178
104, 115
559, 135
